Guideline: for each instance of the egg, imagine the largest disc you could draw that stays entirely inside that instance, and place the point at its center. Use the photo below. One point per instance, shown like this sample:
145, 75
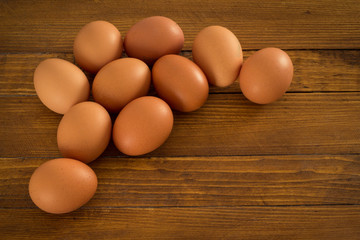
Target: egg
142, 126
60, 84
180, 82
153, 37
218, 53
266, 75
120, 82
84, 132
62, 185
96, 44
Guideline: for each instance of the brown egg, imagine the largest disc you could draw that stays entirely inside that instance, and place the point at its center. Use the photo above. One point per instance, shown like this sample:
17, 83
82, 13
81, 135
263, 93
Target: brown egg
60, 84
142, 126
266, 75
153, 37
97, 44
84, 132
62, 185
120, 82
218, 53
180, 82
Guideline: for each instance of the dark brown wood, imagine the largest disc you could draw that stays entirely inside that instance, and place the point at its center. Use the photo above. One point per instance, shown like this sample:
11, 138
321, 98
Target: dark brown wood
300, 222
228, 124
17, 71
203, 181
232, 169
325, 70
45, 26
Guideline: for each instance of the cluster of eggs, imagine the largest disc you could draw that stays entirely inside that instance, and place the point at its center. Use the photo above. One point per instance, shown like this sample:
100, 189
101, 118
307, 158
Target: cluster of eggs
121, 86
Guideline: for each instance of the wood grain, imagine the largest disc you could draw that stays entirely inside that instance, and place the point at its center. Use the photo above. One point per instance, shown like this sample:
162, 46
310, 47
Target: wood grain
203, 181
228, 124
326, 70
253, 223
47, 26
232, 169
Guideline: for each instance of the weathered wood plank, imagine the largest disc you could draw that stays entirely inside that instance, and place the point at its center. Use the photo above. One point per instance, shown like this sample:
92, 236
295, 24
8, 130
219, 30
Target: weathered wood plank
231, 170
228, 124
314, 222
52, 26
324, 70
17, 71
203, 181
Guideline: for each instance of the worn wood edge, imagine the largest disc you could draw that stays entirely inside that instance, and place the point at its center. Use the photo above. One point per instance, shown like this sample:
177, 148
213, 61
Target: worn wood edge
316, 222
227, 124
314, 71
293, 180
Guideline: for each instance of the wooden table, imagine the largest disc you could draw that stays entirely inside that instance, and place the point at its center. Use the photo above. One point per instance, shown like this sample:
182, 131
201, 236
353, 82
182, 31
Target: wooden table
231, 170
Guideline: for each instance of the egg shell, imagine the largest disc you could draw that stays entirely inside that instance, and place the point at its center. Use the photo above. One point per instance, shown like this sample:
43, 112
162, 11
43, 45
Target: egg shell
153, 37
142, 126
62, 185
96, 44
180, 82
120, 82
60, 84
217, 51
266, 75
84, 132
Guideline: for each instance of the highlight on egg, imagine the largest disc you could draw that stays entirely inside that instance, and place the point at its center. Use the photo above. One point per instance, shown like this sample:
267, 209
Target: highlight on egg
266, 75
153, 37
142, 126
96, 44
60, 84
62, 185
180, 82
217, 51
84, 132
120, 82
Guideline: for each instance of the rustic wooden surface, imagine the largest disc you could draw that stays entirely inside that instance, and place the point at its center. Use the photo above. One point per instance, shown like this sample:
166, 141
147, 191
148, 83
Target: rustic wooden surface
232, 169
